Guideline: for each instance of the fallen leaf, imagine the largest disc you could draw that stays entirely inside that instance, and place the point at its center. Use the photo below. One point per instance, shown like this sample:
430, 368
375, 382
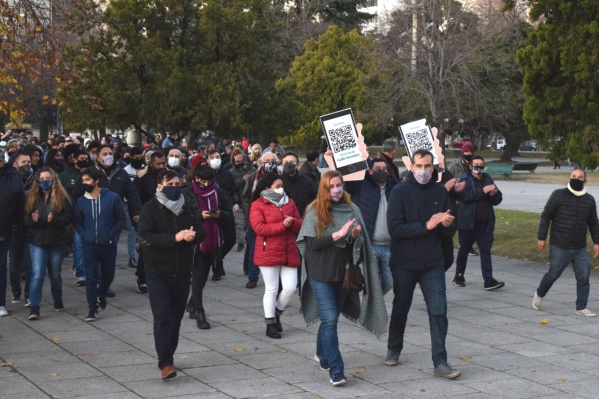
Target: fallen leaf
80, 354
361, 343
561, 380
5, 364
465, 357
319, 397
73, 324
526, 335
422, 390
55, 360
284, 350
359, 370
150, 333
56, 339
239, 349
243, 331
544, 321
120, 313
232, 319
53, 374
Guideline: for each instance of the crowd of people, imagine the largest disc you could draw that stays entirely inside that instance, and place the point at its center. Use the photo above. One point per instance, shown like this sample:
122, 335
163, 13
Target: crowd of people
343, 244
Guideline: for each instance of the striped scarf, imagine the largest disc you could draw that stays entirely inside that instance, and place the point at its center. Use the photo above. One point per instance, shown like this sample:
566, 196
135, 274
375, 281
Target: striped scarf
371, 312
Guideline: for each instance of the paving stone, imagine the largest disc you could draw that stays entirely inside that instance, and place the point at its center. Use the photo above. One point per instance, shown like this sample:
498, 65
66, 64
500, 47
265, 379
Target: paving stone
180, 385
82, 387
212, 374
429, 388
258, 387
514, 388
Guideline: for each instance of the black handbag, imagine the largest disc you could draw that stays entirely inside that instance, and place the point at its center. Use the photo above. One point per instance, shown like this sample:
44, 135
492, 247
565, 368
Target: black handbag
353, 280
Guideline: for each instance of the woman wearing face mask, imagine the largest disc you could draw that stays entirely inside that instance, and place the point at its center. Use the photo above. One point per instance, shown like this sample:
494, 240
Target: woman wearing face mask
276, 221
213, 204
463, 164
54, 160
48, 211
332, 235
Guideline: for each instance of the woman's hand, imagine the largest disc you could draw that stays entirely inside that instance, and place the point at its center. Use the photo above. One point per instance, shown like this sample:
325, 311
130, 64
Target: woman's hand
355, 232
50, 217
288, 221
344, 230
35, 216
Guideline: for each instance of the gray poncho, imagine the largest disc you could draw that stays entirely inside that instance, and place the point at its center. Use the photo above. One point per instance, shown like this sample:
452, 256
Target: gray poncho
371, 312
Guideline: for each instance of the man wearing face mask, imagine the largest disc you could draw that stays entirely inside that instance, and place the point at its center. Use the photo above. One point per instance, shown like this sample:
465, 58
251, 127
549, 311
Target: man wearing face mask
173, 162
99, 219
371, 195
69, 177
92, 150
418, 214
267, 163
241, 171
571, 212
136, 163
297, 187
226, 181
476, 222
22, 164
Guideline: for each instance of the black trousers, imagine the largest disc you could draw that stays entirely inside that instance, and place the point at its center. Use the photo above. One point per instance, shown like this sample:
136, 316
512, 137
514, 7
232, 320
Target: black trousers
229, 231
168, 297
202, 263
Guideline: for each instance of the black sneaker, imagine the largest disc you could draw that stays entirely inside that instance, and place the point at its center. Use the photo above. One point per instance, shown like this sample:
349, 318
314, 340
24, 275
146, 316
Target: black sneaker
324, 364
459, 281
338, 379
16, 298
92, 315
80, 282
240, 247
392, 358
58, 306
110, 293
102, 302
132, 263
472, 252
34, 313
493, 284
216, 277
142, 288
27, 302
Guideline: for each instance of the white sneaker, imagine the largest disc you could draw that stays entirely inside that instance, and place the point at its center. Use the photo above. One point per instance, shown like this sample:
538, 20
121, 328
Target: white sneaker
586, 312
536, 302
3, 311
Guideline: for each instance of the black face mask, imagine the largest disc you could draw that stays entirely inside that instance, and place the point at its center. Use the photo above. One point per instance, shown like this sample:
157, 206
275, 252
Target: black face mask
137, 163
83, 164
127, 160
380, 176
88, 187
576, 185
172, 192
467, 157
289, 168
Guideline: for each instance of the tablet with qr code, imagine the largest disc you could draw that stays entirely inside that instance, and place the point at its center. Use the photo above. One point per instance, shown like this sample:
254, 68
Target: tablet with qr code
342, 136
417, 135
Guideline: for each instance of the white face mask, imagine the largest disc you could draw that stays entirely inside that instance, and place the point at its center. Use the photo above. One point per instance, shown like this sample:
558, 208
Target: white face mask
279, 190
215, 163
93, 157
108, 160
173, 162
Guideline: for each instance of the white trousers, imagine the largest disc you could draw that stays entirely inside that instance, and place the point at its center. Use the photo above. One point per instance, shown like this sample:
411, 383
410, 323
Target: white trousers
270, 275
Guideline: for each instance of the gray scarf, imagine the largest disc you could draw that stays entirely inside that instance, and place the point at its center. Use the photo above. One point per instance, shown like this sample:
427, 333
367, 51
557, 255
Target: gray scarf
175, 207
371, 312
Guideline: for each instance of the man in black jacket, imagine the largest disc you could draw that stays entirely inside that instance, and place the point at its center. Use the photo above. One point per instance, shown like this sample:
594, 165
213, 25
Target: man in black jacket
298, 187
571, 212
169, 229
309, 168
371, 195
418, 213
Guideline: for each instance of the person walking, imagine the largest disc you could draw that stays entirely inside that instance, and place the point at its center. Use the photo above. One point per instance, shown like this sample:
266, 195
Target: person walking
99, 218
169, 228
276, 221
570, 213
418, 214
332, 235
48, 211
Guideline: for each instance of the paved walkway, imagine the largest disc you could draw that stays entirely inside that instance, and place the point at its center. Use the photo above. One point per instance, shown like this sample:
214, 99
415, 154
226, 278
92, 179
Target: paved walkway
495, 339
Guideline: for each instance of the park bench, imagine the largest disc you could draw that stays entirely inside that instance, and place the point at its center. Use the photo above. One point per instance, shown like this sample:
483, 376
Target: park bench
502, 169
529, 166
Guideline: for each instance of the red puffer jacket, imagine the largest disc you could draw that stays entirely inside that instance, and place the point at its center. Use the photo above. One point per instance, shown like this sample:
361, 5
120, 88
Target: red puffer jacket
275, 244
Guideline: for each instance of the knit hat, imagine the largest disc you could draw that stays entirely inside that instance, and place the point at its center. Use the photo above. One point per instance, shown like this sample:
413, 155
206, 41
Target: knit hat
467, 147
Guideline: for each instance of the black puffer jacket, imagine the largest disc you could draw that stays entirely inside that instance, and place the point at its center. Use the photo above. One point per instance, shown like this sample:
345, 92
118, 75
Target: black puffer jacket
570, 216
12, 200
53, 234
157, 228
300, 189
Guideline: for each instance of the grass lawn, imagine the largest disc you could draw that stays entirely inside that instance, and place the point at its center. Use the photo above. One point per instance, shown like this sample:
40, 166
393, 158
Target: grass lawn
516, 237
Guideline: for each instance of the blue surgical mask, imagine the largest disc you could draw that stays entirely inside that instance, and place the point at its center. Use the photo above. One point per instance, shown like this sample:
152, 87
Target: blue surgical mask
46, 185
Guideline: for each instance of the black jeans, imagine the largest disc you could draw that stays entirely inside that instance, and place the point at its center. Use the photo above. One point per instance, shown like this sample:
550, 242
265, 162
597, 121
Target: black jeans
168, 296
202, 263
229, 231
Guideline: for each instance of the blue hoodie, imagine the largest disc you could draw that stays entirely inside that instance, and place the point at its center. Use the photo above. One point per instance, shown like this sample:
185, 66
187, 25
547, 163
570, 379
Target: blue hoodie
98, 221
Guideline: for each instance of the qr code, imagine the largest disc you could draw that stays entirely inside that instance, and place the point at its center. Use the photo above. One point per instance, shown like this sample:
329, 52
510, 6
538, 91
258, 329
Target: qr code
419, 140
342, 138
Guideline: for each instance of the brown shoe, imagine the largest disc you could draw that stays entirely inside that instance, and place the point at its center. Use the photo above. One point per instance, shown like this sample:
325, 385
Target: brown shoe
251, 284
168, 372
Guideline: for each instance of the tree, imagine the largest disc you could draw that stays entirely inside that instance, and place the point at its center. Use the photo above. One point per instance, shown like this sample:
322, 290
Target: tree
328, 77
560, 63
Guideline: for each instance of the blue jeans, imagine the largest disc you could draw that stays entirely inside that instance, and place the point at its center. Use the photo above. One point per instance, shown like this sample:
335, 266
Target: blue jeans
483, 237
253, 270
98, 259
432, 283
77, 249
382, 253
4, 244
330, 298
168, 297
559, 258
20, 263
131, 237
41, 257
